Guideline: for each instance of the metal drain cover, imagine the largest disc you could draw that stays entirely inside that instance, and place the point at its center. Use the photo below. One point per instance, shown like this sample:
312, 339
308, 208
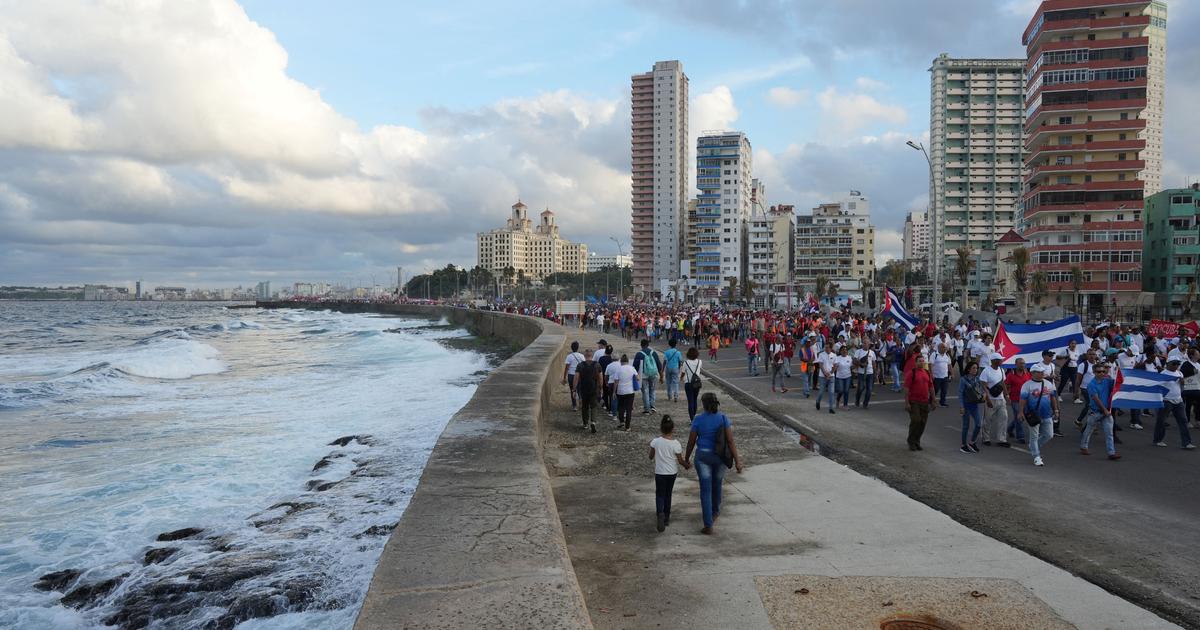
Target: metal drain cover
916, 622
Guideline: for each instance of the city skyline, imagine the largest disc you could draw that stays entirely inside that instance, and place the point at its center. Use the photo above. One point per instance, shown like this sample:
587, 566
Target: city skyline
122, 159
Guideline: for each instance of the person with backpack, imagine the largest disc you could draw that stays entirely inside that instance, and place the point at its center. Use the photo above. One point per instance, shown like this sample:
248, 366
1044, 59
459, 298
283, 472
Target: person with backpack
777, 359
689, 375
587, 384
1039, 407
672, 361
574, 358
648, 365
970, 396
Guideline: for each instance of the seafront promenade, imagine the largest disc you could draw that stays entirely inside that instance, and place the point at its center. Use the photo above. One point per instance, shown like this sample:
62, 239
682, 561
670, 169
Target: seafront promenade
803, 541
521, 519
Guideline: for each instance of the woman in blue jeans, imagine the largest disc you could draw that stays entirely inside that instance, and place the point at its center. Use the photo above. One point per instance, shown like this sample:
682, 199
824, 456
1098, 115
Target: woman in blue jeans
970, 410
710, 469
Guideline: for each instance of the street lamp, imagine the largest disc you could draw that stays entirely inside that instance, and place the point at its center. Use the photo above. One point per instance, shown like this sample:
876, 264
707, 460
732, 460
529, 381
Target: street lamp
1109, 238
934, 259
620, 270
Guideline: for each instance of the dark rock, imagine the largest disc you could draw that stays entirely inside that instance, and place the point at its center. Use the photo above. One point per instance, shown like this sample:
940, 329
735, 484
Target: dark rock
299, 592
57, 581
256, 604
178, 534
320, 485
220, 579
376, 530
89, 594
365, 440
158, 554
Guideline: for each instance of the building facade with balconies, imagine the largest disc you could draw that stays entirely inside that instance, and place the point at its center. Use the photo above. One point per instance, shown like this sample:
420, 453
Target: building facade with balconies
976, 120
1171, 248
769, 259
916, 240
659, 156
1095, 75
723, 176
537, 250
836, 241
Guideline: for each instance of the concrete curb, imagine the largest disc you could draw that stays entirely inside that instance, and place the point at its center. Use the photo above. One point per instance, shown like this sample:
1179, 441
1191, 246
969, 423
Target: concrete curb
481, 544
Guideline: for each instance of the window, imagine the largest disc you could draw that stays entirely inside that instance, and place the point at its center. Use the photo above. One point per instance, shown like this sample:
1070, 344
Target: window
1064, 139
1064, 120
1062, 218
1063, 179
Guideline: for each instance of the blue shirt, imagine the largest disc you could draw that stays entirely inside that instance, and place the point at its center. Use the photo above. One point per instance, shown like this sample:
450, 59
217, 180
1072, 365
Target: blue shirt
1101, 388
706, 425
1038, 403
672, 358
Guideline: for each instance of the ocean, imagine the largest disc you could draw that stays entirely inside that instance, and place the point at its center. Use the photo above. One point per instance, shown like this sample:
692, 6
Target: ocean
272, 452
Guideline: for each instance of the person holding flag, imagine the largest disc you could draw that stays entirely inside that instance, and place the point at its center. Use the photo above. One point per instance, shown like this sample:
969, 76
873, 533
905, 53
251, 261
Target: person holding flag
1099, 404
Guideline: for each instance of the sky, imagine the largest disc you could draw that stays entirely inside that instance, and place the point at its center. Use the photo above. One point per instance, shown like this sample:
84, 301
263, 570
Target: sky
213, 143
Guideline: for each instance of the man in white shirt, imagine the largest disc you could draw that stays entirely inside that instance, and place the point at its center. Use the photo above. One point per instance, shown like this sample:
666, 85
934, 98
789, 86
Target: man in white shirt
825, 380
574, 358
995, 414
939, 369
1172, 406
610, 382
865, 357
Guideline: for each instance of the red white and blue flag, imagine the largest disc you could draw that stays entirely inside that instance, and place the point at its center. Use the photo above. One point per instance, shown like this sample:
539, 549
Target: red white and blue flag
1028, 341
1139, 389
893, 308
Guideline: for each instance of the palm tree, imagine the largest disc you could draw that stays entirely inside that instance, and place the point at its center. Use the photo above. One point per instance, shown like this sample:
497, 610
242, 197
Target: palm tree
1020, 263
833, 291
962, 268
896, 273
1076, 283
733, 286
1037, 286
822, 287
748, 289
866, 285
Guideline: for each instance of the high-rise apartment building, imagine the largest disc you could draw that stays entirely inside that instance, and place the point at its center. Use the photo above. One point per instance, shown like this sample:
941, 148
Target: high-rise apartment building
262, 290
1171, 249
916, 240
659, 153
836, 241
723, 175
769, 259
1094, 113
535, 250
975, 131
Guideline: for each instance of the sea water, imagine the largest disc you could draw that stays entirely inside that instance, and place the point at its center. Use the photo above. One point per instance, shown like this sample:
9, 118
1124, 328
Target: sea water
121, 421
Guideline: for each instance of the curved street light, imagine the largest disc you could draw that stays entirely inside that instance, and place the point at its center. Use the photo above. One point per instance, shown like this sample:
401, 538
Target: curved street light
933, 259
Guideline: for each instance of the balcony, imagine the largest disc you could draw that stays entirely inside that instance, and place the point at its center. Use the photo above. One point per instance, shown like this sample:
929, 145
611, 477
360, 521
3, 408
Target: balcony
1129, 103
1111, 165
1133, 184
1133, 124
1086, 147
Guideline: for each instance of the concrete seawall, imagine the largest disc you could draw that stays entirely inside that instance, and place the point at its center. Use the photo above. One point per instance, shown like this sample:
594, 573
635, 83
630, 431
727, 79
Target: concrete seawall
480, 544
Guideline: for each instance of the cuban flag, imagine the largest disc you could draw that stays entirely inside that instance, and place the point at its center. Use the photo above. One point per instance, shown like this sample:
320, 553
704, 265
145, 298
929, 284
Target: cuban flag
1027, 341
1139, 389
892, 306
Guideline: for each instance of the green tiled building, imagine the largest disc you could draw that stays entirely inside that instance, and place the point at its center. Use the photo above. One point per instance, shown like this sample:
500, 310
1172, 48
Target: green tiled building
1171, 248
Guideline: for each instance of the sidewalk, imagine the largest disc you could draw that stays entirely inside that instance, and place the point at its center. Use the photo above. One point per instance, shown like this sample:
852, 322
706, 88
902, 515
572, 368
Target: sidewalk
791, 522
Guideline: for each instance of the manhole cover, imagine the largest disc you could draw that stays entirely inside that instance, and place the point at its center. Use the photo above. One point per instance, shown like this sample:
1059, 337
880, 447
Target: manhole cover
916, 622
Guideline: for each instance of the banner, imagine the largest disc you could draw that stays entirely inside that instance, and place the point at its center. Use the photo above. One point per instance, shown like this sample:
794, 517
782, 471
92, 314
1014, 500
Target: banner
1161, 329
570, 307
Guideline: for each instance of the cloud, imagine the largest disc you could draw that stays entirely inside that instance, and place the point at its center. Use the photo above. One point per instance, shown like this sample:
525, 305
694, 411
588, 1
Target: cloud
167, 141
713, 110
889, 245
787, 97
851, 112
869, 84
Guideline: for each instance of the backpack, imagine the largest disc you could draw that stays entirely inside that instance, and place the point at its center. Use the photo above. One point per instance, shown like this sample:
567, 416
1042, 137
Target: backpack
649, 364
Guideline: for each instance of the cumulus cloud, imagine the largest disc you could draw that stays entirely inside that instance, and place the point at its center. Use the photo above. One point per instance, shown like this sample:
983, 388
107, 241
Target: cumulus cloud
787, 97
851, 112
869, 84
714, 110
162, 137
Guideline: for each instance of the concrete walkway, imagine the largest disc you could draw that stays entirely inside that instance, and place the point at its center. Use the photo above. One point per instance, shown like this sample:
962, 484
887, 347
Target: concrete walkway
789, 523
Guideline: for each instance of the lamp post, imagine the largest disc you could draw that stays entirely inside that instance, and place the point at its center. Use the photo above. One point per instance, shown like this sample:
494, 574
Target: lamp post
1109, 238
933, 259
620, 270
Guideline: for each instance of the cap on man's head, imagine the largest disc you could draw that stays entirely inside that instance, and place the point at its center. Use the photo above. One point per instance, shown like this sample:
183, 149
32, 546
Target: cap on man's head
996, 356
1037, 368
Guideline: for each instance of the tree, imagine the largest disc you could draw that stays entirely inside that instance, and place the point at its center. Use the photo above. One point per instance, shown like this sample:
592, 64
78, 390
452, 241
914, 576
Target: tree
822, 287
481, 279
1037, 286
962, 268
1020, 263
733, 287
748, 290
832, 292
1076, 284
866, 285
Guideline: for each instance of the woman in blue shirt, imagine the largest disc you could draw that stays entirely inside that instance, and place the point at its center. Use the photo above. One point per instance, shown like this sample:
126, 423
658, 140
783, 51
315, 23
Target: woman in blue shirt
710, 467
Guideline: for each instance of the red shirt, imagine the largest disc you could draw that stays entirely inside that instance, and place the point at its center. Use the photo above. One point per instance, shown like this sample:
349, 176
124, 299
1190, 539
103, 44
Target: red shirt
1014, 382
918, 386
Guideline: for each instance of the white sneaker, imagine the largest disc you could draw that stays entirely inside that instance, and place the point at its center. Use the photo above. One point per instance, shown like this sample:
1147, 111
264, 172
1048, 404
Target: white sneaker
1162, 444
1190, 447
1037, 461
1078, 401
1136, 426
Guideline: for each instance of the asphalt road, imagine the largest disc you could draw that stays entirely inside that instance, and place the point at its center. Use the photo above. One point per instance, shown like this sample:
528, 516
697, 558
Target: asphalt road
1129, 526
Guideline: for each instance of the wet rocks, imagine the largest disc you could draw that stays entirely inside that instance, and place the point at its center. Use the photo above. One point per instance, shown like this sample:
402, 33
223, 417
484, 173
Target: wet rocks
255, 604
91, 594
365, 440
178, 534
377, 530
292, 508
158, 554
58, 580
320, 485
328, 459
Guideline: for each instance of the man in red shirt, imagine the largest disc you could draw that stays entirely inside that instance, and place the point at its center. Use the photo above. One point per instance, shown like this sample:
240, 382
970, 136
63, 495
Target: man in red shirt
1014, 381
918, 400
789, 351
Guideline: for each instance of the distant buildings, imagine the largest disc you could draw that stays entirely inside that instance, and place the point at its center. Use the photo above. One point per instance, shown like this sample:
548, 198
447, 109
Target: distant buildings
596, 263
1171, 249
659, 155
836, 241
723, 176
769, 255
975, 131
916, 240
537, 251
1094, 114
262, 291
